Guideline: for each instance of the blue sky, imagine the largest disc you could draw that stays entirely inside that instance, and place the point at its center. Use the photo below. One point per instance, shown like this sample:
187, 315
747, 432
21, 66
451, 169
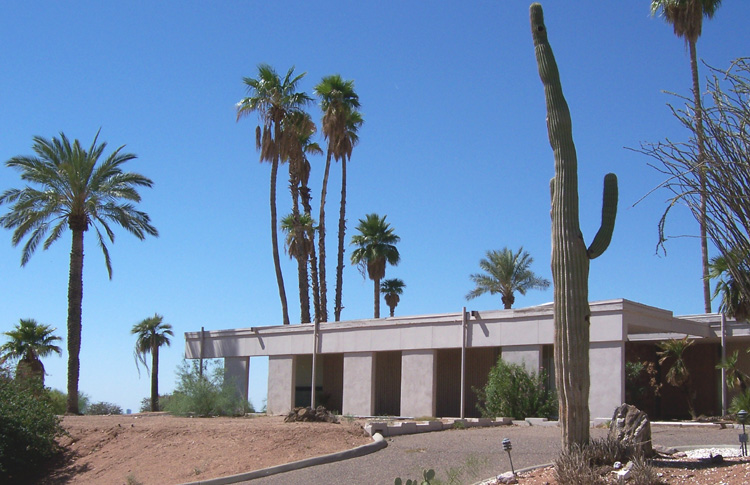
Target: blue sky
454, 150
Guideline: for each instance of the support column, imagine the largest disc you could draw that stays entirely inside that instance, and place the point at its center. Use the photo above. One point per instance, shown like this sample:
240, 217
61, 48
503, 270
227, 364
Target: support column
529, 356
418, 382
237, 371
359, 384
607, 371
280, 384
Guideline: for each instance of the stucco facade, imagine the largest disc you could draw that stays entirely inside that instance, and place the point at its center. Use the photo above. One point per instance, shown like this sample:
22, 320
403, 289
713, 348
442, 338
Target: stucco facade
427, 365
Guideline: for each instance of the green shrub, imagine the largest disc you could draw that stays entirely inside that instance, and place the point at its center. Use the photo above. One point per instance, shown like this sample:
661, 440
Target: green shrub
59, 401
28, 429
163, 402
103, 408
739, 402
205, 395
512, 391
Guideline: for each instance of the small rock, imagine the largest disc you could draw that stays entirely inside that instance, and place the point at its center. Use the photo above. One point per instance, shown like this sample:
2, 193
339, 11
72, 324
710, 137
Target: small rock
507, 477
617, 465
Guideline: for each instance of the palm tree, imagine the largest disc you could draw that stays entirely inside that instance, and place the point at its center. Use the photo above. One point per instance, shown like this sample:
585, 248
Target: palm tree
353, 123
337, 100
506, 273
152, 333
733, 303
678, 374
686, 17
735, 376
392, 288
78, 193
376, 247
273, 99
29, 342
299, 127
299, 244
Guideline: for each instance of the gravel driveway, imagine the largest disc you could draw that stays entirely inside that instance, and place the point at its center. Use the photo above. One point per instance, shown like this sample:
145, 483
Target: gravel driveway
472, 454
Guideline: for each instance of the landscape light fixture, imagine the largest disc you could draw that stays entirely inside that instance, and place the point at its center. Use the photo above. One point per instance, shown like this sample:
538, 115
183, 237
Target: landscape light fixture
507, 446
742, 418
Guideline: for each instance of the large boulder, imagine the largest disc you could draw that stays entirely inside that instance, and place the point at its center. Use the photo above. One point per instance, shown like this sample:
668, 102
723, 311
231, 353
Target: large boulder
631, 425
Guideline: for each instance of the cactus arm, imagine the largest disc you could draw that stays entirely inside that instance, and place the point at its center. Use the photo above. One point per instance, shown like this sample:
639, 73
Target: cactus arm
609, 214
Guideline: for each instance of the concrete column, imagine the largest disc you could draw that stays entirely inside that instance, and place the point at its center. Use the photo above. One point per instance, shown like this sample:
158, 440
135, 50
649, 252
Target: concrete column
237, 371
607, 371
418, 382
359, 384
529, 356
280, 384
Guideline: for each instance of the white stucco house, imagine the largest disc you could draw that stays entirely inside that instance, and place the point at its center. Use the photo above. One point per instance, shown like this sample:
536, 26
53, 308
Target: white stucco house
428, 365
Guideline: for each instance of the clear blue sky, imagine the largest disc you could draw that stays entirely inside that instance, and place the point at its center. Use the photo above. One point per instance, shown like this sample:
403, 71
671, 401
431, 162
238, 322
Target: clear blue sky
454, 150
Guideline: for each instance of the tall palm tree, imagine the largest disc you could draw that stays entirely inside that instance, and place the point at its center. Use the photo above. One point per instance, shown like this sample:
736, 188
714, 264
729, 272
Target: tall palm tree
686, 17
353, 122
152, 334
75, 192
337, 100
678, 374
733, 303
299, 127
273, 99
29, 342
392, 288
376, 247
505, 274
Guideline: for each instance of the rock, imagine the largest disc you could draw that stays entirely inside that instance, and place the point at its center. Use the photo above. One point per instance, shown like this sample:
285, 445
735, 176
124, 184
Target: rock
507, 477
631, 425
308, 414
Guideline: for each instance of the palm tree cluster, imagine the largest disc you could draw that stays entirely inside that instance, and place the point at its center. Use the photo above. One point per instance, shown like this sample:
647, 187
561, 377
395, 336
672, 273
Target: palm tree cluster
285, 135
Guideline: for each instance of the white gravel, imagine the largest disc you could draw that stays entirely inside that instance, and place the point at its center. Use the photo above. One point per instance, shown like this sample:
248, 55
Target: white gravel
708, 452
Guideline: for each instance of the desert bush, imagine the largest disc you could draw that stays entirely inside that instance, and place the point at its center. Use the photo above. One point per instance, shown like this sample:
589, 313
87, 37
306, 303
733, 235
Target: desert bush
146, 403
512, 391
739, 402
103, 408
28, 429
209, 394
59, 400
588, 465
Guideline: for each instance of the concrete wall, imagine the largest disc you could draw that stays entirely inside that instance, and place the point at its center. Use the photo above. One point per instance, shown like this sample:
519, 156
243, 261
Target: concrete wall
359, 384
418, 379
281, 383
237, 371
607, 374
529, 356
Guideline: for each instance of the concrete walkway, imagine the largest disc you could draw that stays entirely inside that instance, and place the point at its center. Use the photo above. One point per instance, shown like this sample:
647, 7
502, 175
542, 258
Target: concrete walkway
473, 454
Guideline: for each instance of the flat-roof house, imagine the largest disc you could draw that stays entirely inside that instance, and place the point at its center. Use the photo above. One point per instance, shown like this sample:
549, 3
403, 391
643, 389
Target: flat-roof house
428, 365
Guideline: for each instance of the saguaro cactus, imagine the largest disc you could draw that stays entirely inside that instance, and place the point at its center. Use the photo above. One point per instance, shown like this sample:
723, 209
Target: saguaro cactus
570, 257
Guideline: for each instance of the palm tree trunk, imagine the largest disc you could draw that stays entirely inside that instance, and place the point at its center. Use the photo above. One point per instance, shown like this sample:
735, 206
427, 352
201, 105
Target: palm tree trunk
342, 230
322, 242
377, 298
302, 279
702, 174
313, 258
75, 299
154, 376
275, 242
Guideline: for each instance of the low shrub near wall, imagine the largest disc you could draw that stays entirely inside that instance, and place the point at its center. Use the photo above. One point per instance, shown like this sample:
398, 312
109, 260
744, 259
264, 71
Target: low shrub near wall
512, 391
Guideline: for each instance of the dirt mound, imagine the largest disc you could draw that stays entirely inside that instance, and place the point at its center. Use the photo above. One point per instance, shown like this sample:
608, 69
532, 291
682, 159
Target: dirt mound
156, 448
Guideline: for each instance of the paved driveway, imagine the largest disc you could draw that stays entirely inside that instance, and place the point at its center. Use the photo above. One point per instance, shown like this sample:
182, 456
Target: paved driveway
472, 454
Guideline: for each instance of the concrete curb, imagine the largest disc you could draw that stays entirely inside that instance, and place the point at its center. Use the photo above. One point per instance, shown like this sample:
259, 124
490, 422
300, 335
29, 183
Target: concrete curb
378, 443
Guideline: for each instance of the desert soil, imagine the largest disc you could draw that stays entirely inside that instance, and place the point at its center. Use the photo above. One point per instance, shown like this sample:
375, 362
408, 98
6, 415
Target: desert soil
155, 448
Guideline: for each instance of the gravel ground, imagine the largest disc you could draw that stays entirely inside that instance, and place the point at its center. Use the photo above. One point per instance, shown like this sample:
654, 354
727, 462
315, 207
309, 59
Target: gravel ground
473, 454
